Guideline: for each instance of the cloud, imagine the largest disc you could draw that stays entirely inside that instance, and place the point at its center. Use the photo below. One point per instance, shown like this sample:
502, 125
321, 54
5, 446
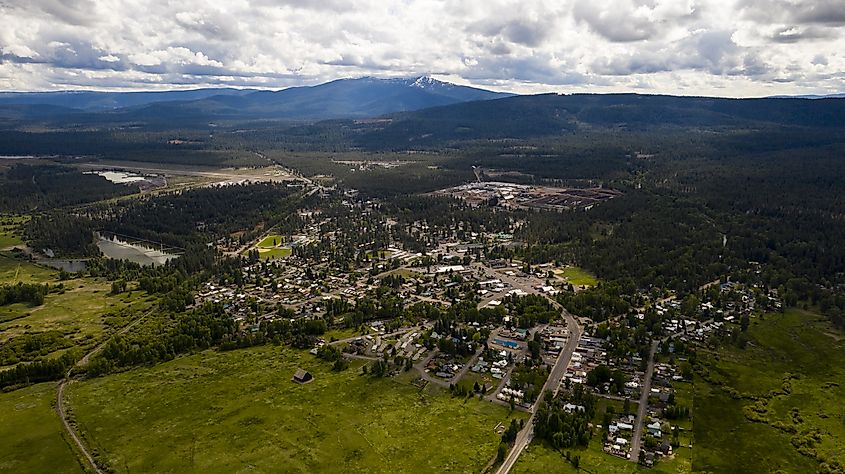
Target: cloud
794, 34
615, 22
825, 12
750, 47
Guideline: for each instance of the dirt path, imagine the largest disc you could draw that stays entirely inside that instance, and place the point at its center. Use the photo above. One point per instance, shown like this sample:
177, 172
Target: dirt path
60, 395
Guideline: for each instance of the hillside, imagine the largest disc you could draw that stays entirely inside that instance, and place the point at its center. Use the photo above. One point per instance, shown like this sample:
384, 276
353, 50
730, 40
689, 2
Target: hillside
552, 114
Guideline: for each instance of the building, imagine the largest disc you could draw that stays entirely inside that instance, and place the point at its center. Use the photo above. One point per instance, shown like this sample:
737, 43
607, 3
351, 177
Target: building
302, 376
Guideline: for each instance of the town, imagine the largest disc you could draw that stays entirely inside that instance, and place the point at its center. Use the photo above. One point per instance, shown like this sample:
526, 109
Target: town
475, 323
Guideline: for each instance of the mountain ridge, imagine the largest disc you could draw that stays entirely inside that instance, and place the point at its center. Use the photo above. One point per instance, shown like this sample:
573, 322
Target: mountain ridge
342, 98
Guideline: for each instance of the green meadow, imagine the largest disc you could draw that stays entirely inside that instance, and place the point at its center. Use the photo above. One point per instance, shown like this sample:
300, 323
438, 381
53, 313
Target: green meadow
31, 437
239, 411
10, 234
83, 310
777, 404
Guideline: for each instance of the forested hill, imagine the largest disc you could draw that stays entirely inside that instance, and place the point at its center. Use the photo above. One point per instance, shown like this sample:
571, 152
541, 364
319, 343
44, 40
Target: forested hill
552, 114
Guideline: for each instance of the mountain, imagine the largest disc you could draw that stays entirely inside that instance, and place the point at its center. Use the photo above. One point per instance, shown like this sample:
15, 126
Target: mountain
343, 98
98, 101
812, 96
553, 114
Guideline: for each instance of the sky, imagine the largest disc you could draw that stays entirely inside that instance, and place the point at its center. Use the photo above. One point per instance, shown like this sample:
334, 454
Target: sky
728, 48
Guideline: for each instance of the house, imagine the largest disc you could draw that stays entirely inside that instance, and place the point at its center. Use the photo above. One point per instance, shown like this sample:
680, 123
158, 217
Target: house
665, 449
302, 376
654, 429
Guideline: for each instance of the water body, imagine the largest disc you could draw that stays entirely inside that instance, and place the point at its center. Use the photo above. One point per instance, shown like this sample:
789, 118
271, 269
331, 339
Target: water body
119, 177
121, 250
71, 266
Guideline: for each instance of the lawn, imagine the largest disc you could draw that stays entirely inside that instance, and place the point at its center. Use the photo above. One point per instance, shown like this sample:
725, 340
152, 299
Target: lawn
272, 247
271, 241
31, 434
797, 342
578, 276
239, 411
270, 254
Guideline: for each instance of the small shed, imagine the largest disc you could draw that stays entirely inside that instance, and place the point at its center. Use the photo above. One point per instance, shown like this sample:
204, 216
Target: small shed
302, 376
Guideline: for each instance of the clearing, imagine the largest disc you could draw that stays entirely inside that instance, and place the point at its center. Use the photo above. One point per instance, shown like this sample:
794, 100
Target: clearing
577, 276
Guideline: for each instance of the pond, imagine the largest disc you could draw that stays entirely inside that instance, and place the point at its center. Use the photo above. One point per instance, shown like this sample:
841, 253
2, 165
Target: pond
119, 177
122, 250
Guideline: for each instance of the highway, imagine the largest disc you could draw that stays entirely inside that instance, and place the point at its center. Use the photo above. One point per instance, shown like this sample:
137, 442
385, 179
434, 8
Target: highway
642, 409
526, 435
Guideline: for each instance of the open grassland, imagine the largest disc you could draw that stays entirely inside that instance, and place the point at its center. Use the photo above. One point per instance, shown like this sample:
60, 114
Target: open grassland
578, 276
776, 399
9, 237
31, 433
239, 411
14, 271
83, 311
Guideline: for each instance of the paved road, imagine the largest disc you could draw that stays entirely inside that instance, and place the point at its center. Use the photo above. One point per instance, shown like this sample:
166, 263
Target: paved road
354, 338
471, 362
420, 366
643, 405
524, 437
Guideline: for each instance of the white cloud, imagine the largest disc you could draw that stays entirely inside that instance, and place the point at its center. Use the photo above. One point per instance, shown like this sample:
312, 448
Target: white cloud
744, 47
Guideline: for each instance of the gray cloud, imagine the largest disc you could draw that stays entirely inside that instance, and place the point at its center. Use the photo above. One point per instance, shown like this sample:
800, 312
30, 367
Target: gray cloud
614, 22
827, 12
684, 46
794, 34
521, 31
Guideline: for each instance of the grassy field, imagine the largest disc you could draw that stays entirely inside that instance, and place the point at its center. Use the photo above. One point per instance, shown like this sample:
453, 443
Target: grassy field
13, 271
31, 434
272, 247
271, 241
81, 311
10, 230
578, 276
794, 371
270, 254
238, 411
